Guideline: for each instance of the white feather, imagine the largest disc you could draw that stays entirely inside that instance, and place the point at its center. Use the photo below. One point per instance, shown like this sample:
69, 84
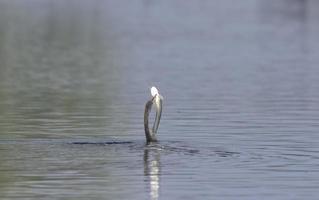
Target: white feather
154, 91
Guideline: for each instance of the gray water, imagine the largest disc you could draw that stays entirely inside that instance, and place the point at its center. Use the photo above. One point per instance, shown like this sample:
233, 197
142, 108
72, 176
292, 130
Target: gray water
240, 81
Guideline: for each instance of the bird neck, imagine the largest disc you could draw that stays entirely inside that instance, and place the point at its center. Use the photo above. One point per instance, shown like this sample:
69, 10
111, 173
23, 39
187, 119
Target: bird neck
149, 134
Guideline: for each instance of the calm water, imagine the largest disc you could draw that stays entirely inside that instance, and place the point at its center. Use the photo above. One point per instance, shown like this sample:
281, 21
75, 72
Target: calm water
240, 81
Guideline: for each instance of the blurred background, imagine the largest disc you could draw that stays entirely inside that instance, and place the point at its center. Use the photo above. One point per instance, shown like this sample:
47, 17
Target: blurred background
236, 76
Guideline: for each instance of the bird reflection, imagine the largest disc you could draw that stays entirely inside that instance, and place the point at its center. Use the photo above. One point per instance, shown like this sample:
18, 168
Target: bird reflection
152, 171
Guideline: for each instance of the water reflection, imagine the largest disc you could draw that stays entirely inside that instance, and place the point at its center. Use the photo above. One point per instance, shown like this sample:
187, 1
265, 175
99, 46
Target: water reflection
241, 75
152, 168
288, 10
57, 71
286, 20
7, 178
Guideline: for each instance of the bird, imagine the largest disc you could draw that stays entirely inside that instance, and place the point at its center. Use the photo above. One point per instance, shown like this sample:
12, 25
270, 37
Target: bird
157, 100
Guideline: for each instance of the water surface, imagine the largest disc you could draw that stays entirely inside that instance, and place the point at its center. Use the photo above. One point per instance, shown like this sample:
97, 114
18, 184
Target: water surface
240, 85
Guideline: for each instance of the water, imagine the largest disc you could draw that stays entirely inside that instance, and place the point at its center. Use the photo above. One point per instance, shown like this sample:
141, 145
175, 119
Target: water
240, 85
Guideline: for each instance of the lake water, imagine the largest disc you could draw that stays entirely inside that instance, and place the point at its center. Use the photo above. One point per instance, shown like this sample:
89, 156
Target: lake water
240, 81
